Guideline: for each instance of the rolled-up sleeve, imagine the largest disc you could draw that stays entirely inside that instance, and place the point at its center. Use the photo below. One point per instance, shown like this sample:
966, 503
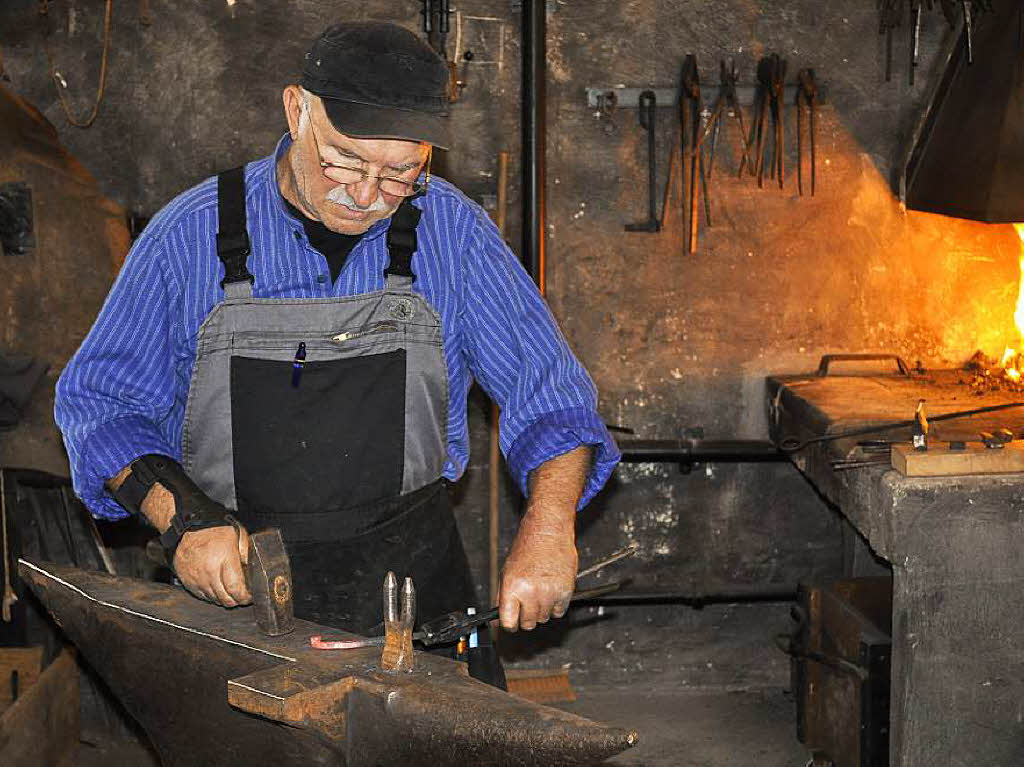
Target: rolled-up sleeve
517, 353
117, 389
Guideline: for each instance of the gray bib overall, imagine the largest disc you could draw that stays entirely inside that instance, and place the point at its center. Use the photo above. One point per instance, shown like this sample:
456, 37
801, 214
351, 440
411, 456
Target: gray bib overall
327, 418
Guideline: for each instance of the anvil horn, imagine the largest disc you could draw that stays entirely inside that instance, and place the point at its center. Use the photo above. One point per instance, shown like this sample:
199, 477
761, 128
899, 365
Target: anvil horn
209, 688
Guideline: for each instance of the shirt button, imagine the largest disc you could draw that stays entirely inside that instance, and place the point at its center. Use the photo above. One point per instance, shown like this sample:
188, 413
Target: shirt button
321, 278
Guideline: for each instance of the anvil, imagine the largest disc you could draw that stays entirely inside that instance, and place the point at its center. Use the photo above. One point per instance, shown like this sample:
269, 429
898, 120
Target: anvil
209, 688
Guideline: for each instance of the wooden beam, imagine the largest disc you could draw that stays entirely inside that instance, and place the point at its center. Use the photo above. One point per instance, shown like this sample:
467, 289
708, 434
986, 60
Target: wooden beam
41, 728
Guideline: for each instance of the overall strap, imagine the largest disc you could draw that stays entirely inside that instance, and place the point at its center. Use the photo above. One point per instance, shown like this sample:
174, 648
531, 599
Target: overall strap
402, 244
232, 235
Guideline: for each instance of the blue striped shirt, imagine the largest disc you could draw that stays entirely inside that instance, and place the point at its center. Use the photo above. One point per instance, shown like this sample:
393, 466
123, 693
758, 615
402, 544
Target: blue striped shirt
123, 393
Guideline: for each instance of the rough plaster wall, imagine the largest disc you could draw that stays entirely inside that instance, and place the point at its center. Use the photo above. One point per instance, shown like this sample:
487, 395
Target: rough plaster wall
677, 340
672, 340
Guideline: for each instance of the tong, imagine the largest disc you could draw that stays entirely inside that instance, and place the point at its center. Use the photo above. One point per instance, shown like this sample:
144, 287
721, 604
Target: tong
451, 626
806, 97
689, 125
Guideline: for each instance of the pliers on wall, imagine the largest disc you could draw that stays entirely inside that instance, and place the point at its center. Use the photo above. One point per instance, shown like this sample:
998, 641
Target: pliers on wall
806, 97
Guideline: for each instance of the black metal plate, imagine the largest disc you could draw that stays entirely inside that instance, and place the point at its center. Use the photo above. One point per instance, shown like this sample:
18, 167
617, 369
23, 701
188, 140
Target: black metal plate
16, 231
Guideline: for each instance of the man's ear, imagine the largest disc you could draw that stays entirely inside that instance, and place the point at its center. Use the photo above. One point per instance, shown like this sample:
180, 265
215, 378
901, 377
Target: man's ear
292, 98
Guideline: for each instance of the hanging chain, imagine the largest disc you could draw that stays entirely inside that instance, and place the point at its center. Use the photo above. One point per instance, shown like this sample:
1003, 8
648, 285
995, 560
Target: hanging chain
60, 83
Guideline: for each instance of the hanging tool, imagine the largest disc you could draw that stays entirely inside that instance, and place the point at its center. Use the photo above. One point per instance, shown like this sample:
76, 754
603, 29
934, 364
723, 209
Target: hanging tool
9, 597
689, 124
916, 7
648, 103
727, 100
771, 76
671, 177
778, 84
890, 12
449, 627
436, 26
890, 16
58, 81
806, 97
699, 148
762, 99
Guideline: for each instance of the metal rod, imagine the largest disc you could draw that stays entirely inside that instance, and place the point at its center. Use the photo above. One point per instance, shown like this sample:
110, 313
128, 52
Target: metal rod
778, 592
534, 133
698, 450
652, 172
628, 551
494, 505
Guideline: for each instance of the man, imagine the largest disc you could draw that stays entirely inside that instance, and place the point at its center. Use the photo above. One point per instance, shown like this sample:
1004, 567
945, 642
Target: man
229, 384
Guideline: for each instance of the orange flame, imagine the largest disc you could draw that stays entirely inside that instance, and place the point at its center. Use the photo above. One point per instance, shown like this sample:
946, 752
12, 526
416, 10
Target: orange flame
1018, 315
1011, 360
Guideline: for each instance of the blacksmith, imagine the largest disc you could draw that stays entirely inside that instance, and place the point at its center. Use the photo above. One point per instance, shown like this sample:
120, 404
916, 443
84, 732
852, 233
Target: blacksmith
291, 344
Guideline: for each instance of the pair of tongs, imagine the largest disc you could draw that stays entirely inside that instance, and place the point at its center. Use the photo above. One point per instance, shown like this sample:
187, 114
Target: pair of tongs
451, 626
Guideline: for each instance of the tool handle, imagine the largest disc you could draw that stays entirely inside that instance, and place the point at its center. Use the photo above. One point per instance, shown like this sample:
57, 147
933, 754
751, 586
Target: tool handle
478, 620
828, 359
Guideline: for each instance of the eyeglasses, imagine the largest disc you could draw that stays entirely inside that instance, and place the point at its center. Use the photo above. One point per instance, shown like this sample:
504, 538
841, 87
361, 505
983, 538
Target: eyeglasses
397, 187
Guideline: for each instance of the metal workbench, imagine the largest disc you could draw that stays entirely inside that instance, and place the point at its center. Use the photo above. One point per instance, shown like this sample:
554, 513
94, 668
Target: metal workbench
956, 547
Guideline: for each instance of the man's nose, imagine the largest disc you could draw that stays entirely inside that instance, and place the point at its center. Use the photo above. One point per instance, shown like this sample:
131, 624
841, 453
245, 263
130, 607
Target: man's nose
364, 193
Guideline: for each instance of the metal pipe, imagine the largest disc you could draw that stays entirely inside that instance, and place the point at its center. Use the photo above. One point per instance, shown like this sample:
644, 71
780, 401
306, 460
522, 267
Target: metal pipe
774, 592
698, 450
494, 505
534, 136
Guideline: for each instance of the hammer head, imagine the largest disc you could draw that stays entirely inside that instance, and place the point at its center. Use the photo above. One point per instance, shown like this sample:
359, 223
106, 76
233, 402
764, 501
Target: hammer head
269, 576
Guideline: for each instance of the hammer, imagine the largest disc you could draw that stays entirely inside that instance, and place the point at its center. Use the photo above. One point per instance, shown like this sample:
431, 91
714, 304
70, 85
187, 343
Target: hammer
268, 576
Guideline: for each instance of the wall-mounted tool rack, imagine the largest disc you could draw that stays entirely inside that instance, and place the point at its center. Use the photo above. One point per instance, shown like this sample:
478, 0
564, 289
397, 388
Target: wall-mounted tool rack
615, 96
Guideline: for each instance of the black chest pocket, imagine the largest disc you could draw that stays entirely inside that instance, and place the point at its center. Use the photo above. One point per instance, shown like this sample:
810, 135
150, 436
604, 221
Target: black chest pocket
333, 441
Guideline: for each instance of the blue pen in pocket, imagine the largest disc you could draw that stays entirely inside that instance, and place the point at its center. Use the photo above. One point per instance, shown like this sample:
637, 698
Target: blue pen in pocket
297, 364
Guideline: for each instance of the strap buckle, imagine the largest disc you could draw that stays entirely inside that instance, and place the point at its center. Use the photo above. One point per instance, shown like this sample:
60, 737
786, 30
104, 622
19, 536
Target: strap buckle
233, 248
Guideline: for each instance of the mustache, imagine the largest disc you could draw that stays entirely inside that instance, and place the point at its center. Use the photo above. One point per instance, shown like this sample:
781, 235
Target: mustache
339, 196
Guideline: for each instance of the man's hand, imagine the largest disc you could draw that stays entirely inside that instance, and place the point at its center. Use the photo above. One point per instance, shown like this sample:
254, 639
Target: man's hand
209, 564
539, 574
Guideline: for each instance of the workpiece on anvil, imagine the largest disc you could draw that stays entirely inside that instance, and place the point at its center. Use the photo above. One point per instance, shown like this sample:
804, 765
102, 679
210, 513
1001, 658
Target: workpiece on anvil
227, 688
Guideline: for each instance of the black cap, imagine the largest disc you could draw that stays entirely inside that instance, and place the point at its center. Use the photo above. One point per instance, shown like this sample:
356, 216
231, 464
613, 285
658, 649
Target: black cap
379, 80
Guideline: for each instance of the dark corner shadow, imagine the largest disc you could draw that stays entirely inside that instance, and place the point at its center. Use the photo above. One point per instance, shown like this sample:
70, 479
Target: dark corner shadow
525, 645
